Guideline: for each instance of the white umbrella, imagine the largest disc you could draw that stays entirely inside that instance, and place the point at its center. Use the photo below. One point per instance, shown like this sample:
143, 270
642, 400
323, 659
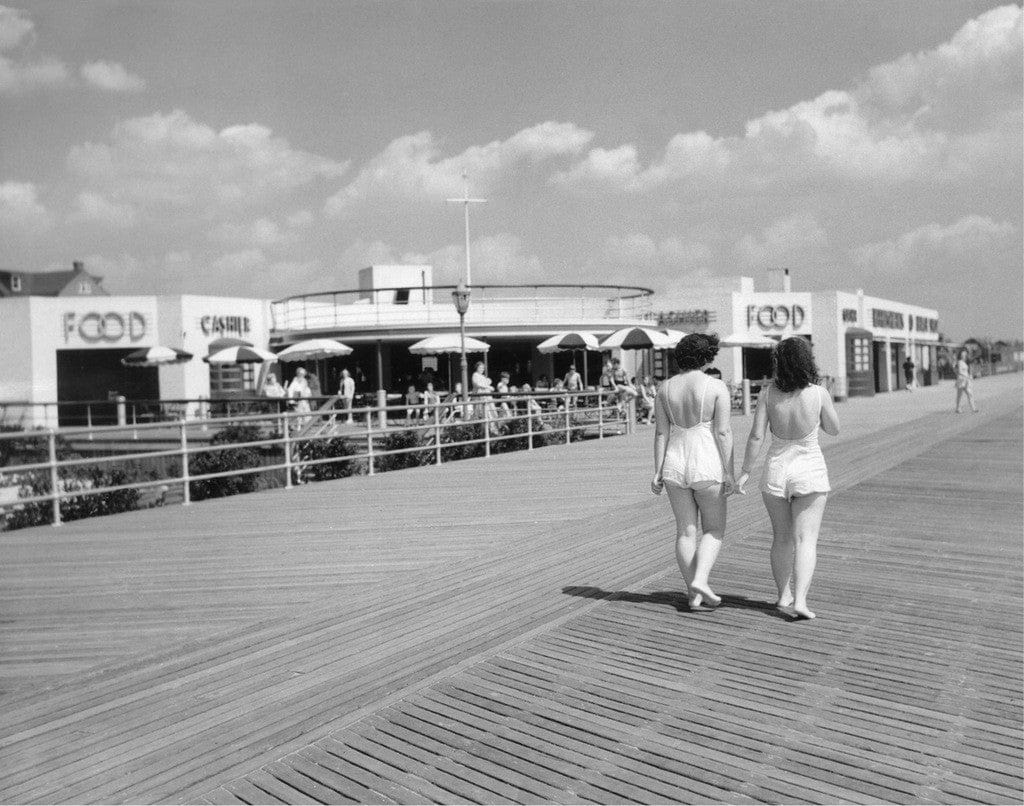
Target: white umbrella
637, 338
313, 350
673, 336
447, 343
155, 357
240, 355
752, 340
569, 340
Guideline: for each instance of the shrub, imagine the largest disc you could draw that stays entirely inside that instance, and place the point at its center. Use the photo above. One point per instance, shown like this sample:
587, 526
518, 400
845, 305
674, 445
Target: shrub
73, 479
460, 433
223, 461
334, 448
398, 440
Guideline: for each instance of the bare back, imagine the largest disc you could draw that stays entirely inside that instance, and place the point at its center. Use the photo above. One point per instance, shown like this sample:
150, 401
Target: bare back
794, 415
682, 396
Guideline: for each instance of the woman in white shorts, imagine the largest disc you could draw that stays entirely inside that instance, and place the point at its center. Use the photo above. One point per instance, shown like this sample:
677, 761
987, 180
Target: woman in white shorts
693, 460
795, 482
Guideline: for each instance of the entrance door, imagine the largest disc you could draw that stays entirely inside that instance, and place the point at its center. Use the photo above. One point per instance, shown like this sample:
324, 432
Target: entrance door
97, 376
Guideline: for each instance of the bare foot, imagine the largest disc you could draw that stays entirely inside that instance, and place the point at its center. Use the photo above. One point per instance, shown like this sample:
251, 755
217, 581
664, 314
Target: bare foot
712, 598
801, 611
784, 604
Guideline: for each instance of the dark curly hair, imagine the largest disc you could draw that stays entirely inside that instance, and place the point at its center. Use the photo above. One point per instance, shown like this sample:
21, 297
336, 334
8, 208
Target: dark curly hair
793, 364
696, 350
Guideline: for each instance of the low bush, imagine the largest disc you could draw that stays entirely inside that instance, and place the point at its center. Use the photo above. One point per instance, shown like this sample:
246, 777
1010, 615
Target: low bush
72, 479
335, 448
461, 433
224, 461
399, 440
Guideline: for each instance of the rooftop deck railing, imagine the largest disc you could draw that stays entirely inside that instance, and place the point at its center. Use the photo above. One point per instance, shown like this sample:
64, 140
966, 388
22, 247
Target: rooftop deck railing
289, 447
492, 305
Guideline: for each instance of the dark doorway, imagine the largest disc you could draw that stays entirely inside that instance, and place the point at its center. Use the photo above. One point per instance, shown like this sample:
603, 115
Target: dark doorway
98, 376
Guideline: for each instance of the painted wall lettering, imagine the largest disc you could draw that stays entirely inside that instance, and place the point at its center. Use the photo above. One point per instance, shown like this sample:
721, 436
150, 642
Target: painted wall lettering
775, 317
218, 325
110, 327
849, 314
887, 319
688, 319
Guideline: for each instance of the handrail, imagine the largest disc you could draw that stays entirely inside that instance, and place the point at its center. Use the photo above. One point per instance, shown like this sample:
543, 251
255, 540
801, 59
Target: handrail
570, 413
640, 291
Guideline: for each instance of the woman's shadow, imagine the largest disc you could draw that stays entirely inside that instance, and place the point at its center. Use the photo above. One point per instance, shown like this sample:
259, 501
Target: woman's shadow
675, 599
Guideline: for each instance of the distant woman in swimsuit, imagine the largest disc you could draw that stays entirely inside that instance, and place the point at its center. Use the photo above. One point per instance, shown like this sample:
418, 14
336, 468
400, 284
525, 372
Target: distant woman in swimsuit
963, 382
795, 481
693, 460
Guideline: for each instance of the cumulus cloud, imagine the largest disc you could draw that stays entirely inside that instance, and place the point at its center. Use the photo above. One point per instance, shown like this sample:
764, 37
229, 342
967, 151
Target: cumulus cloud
413, 167
111, 77
922, 117
94, 208
970, 246
20, 208
173, 160
18, 71
785, 241
263, 232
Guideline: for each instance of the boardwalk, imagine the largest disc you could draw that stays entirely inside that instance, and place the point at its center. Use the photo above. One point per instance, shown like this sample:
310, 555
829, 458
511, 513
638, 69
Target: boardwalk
510, 630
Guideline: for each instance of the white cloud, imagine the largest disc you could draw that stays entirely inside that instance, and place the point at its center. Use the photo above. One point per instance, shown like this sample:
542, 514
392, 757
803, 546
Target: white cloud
785, 241
172, 160
111, 77
969, 247
18, 73
94, 208
412, 167
20, 208
937, 115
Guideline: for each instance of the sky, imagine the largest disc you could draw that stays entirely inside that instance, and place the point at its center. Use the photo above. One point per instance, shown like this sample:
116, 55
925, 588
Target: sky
275, 148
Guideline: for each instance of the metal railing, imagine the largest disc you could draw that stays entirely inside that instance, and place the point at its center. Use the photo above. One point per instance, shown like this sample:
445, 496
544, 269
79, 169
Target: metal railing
440, 427
491, 304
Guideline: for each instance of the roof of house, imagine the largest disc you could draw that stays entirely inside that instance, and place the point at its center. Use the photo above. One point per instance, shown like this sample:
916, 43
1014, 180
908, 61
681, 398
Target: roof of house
47, 283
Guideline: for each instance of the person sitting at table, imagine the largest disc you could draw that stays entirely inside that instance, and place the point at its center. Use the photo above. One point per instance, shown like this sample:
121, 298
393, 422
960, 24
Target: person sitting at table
412, 403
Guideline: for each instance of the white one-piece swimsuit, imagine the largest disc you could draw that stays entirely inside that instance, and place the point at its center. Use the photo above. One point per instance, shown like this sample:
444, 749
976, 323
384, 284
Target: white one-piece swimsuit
796, 466
691, 455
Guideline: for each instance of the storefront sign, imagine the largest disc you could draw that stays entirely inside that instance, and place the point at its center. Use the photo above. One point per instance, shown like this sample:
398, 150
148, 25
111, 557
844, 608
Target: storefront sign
849, 314
886, 319
775, 317
219, 325
111, 327
692, 320
922, 324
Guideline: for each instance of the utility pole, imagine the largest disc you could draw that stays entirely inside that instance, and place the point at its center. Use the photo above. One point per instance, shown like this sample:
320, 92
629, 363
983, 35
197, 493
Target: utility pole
465, 201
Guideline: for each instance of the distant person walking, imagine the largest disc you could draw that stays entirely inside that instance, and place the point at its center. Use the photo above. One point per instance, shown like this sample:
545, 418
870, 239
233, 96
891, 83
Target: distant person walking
347, 393
298, 396
964, 382
908, 373
795, 482
693, 461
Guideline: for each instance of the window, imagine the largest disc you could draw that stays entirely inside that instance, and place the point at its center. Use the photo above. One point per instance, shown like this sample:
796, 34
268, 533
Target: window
861, 357
402, 296
84, 287
15, 283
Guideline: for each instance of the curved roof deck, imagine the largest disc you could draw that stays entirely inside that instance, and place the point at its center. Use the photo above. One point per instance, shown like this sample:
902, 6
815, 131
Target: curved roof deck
404, 311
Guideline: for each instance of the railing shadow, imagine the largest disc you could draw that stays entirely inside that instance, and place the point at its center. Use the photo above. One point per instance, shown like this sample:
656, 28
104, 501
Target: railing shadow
675, 599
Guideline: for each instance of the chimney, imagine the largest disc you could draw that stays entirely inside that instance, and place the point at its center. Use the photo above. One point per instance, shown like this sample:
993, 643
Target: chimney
77, 266
779, 280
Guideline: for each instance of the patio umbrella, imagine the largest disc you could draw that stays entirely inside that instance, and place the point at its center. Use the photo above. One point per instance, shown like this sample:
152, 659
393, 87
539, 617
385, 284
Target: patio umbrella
752, 340
240, 355
217, 345
313, 350
155, 357
637, 338
673, 336
447, 343
570, 340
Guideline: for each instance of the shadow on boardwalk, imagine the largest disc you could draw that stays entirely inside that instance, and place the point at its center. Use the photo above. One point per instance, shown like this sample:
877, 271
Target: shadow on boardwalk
509, 631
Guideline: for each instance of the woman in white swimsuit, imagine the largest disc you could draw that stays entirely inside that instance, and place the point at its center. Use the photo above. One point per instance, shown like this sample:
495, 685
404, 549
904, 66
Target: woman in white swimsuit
693, 460
795, 483
963, 382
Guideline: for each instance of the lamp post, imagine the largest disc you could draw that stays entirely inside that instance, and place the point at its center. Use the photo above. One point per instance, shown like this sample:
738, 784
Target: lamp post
460, 296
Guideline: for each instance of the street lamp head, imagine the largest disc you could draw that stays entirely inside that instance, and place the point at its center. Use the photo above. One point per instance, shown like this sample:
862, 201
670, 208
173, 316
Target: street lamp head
460, 296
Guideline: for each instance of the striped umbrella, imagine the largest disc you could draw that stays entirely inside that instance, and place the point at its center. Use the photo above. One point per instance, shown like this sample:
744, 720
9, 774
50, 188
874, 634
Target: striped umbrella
674, 336
569, 340
155, 357
240, 355
447, 343
637, 338
313, 350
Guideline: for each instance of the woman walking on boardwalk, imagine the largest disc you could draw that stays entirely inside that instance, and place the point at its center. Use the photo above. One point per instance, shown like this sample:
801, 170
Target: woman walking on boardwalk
964, 385
693, 460
795, 480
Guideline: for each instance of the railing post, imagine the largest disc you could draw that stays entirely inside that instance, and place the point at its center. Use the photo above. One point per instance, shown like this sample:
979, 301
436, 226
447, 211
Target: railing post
746, 396
382, 407
630, 415
186, 494
600, 417
568, 425
437, 433
88, 419
369, 442
487, 428
54, 477
287, 436
135, 429
529, 425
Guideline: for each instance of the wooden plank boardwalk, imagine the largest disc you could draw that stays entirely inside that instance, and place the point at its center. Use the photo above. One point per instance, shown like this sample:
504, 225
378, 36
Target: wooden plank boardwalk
508, 630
